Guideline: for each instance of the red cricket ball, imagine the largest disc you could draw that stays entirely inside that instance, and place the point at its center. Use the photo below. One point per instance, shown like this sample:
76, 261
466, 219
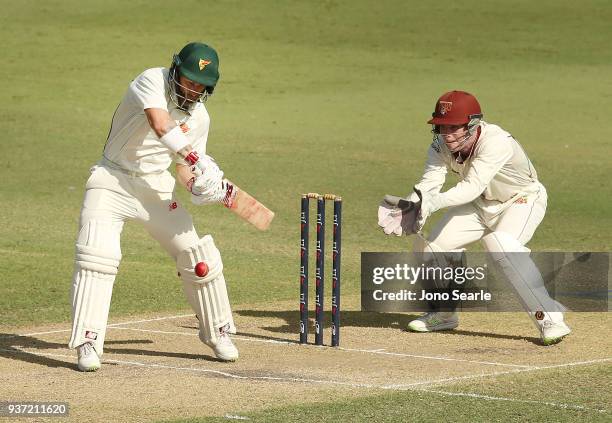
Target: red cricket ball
201, 269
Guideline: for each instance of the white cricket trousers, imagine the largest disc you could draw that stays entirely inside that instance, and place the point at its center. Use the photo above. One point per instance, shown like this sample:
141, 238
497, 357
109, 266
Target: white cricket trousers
465, 224
113, 197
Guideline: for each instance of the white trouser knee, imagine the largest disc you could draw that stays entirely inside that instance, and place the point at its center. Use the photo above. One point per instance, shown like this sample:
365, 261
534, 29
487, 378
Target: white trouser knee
201, 269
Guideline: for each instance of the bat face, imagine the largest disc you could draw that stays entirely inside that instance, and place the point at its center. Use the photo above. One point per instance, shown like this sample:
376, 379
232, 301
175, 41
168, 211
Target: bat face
248, 208
236, 199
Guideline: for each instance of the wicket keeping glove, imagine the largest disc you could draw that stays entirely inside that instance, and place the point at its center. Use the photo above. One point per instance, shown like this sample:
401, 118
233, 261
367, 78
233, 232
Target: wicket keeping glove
397, 215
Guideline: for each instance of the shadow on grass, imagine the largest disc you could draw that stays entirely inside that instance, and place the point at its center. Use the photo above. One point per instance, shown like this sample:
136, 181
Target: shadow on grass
12, 347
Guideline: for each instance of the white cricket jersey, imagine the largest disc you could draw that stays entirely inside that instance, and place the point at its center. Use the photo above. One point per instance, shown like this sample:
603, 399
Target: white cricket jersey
493, 177
132, 145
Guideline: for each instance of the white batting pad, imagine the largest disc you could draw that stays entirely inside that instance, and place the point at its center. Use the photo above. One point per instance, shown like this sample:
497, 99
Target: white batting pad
512, 258
92, 286
207, 294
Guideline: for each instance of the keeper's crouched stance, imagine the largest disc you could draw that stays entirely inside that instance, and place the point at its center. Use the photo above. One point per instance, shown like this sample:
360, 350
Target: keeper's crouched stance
498, 200
161, 113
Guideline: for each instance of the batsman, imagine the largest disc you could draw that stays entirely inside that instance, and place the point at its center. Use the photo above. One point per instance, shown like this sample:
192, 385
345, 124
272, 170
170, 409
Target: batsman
497, 200
161, 113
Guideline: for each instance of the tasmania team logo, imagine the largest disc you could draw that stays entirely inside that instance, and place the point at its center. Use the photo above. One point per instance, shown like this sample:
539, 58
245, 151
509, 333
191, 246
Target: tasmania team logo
445, 107
203, 63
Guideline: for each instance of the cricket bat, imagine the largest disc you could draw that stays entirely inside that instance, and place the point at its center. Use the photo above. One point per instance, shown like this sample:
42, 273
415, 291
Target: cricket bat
236, 199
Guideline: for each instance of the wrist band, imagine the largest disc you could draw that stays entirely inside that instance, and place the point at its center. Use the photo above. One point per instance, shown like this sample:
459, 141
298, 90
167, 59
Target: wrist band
174, 139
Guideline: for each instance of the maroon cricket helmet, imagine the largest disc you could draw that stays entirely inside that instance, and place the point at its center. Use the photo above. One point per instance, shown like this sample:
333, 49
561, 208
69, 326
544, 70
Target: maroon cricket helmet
455, 108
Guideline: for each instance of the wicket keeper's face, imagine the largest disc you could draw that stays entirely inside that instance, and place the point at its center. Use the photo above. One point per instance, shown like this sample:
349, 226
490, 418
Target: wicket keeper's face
453, 135
190, 89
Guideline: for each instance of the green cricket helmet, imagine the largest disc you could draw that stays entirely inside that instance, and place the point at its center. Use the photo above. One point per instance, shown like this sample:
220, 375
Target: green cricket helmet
199, 63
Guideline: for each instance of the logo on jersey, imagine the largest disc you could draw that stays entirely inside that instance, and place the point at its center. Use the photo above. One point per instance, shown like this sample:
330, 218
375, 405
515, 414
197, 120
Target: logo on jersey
172, 206
203, 63
521, 200
184, 127
445, 107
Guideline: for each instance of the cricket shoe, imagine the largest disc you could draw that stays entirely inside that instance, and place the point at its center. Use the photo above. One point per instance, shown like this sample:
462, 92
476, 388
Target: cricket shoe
88, 358
552, 332
224, 348
432, 321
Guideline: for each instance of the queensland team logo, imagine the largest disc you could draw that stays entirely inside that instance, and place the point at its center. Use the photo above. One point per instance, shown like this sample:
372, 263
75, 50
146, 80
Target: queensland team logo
203, 63
445, 107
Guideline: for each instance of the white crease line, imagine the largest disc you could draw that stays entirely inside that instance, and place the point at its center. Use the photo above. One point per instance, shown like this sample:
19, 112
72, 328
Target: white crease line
482, 375
108, 326
378, 351
491, 398
333, 382
408, 386
489, 363
265, 341
211, 371
178, 316
37, 333
115, 326
165, 332
234, 337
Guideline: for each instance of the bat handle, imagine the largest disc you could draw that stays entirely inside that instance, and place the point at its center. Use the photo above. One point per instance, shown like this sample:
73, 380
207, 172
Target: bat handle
197, 165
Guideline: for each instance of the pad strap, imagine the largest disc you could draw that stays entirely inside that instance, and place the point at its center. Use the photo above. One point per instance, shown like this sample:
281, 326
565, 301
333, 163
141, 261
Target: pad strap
97, 260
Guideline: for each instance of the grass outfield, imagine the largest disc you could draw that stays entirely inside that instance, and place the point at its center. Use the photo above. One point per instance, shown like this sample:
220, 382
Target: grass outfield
437, 405
327, 96
445, 404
